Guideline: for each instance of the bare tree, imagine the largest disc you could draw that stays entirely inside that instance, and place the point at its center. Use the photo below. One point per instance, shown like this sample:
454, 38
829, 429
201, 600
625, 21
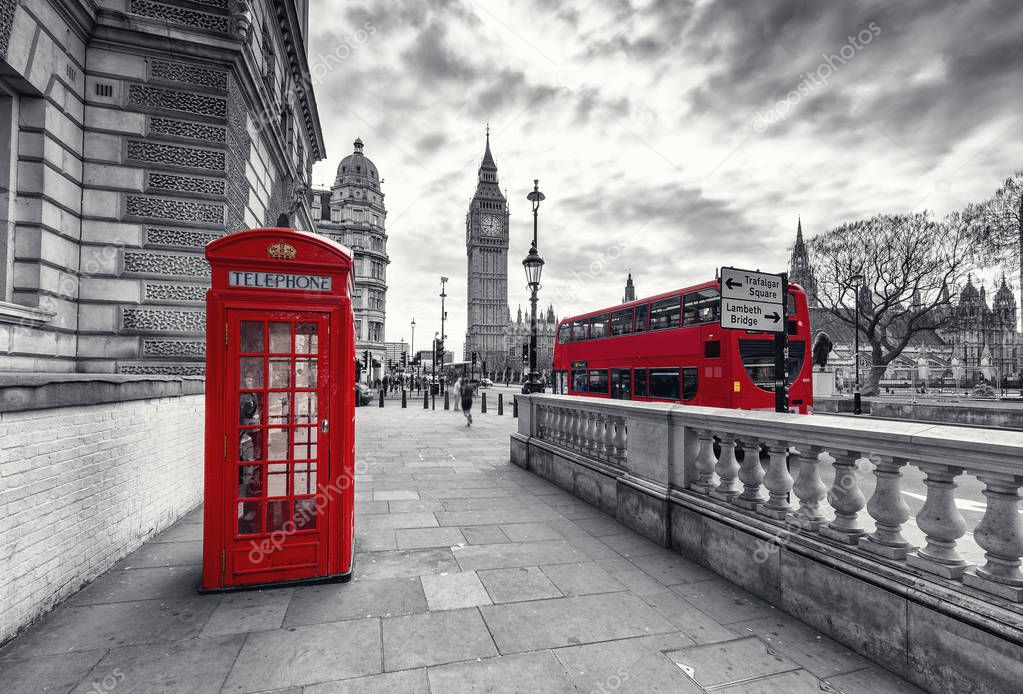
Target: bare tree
996, 225
907, 262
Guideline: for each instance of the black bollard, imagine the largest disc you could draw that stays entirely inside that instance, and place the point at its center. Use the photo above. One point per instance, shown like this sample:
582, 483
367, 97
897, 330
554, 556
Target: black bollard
500, 403
447, 403
404, 403
483, 403
426, 400
381, 397
515, 406
433, 401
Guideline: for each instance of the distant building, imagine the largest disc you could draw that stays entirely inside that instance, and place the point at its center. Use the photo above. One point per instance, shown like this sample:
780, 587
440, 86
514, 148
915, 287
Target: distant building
352, 213
139, 132
630, 290
486, 245
977, 343
518, 336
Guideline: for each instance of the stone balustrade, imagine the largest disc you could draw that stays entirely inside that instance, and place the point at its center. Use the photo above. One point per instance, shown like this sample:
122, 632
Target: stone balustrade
768, 466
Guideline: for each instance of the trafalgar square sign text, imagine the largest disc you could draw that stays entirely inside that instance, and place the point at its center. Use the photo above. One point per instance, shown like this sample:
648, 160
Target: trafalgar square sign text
752, 300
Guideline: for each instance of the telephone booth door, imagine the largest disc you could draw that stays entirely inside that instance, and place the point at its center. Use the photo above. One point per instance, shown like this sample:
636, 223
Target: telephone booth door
279, 450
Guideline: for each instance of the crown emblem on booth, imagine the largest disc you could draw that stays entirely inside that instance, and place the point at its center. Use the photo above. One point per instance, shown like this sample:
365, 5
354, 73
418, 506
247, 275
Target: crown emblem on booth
281, 251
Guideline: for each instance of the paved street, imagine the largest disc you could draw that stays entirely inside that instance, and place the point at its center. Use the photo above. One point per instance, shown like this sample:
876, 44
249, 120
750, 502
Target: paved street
471, 575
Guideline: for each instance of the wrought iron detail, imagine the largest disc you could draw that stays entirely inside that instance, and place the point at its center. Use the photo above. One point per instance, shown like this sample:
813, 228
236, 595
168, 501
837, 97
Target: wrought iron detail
186, 184
179, 15
196, 75
177, 100
184, 128
144, 262
175, 293
173, 348
174, 155
180, 210
163, 320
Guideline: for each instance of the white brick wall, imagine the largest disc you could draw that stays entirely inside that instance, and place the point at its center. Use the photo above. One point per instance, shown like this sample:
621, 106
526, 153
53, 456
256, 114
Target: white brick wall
81, 487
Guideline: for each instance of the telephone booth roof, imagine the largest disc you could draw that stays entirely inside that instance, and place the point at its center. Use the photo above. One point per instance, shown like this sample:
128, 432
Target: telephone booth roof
279, 249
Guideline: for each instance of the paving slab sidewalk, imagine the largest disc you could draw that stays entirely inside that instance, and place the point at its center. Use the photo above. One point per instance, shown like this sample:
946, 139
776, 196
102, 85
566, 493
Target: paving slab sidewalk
472, 575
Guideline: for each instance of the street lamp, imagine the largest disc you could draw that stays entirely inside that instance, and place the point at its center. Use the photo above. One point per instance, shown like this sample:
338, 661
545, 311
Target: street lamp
443, 315
857, 281
412, 351
533, 265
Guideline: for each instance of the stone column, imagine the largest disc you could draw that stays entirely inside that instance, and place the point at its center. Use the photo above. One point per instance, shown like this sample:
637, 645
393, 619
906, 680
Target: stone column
941, 521
778, 482
727, 469
706, 478
846, 498
751, 474
889, 511
1000, 534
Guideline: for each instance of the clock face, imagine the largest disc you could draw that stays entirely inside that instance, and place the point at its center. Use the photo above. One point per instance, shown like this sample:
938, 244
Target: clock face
490, 225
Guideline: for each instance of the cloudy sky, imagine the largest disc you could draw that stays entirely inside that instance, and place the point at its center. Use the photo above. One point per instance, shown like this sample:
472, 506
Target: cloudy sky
670, 136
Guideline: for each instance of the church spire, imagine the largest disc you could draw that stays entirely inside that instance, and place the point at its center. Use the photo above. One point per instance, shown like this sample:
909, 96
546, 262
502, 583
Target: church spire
800, 271
630, 289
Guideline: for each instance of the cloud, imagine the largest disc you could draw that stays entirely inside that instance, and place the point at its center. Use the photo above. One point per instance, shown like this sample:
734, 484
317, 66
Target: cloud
638, 119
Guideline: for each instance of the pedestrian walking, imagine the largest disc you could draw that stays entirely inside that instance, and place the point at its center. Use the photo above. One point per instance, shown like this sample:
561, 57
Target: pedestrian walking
465, 393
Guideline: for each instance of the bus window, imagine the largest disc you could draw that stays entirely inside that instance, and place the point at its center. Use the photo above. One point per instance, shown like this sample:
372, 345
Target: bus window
758, 360
790, 305
578, 330
564, 334
665, 313
641, 312
598, 381
689, 383
563, 382
579, 382
621, 384
703, 306
639, 388
664, 383
598, 326
621, 322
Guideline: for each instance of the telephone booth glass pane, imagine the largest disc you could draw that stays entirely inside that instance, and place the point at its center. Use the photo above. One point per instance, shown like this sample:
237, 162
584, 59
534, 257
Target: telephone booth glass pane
252, 336
278, 426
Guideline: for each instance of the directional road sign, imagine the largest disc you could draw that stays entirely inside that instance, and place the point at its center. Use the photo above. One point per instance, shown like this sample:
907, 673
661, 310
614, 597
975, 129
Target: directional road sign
752, 300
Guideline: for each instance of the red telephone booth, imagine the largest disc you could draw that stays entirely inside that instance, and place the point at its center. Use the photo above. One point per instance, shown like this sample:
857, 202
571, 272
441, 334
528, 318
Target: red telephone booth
280, 423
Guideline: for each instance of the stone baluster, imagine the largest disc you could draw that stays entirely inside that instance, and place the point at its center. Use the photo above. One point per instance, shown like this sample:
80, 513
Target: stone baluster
809, 489
558, 425
751, 474
1000, 535
541, 411
941, 522
846, 498
573, 428
778, 482
609, 437
706, 478
587, 431
593, 444
600, 438
727, 469
620, 440
889, 511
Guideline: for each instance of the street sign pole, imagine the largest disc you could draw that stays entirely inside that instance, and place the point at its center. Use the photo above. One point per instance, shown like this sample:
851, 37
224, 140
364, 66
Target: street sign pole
781, 356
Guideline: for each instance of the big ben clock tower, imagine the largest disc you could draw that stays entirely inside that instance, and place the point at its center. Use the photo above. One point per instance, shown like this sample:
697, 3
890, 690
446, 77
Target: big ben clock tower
486, 244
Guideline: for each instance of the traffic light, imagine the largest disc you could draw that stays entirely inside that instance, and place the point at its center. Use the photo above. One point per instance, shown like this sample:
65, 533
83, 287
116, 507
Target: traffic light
484, 366
525, 354
474, 354
404, 360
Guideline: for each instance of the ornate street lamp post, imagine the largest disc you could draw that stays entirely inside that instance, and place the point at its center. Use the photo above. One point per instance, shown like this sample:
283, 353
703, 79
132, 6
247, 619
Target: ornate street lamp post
533, 265
857, 281
443, 337
412, 352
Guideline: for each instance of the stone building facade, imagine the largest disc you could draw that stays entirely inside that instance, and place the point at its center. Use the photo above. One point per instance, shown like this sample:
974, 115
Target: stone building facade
486, 243
518, 337
352, 213
140, 130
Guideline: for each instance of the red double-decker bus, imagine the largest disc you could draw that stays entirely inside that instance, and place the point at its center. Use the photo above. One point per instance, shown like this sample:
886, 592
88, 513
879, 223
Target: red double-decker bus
672, 348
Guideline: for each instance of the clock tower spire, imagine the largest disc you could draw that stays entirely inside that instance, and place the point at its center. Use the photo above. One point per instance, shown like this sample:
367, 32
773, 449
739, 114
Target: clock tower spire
486, 245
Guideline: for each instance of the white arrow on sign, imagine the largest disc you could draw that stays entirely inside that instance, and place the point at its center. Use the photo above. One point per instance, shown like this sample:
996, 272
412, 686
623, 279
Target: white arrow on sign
751, 286
752, 315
